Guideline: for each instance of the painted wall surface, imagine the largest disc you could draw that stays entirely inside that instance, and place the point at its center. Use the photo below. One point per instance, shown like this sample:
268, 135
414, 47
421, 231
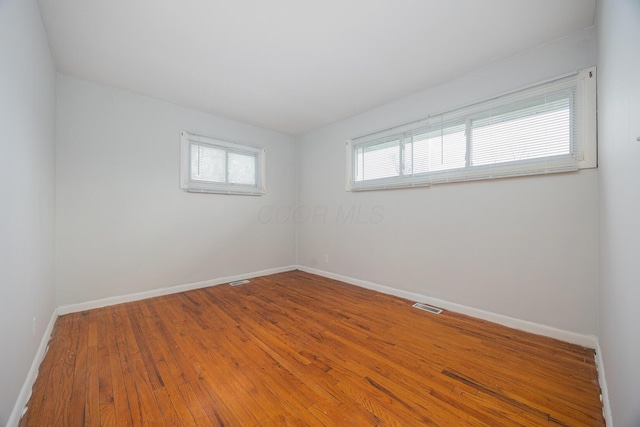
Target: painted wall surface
123, 223
619, 128
524, 247
27, 191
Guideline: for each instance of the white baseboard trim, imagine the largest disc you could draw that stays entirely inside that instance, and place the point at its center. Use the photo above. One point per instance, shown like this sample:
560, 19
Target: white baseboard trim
604, 391
572, 337
25, 393
589, 341
105, 302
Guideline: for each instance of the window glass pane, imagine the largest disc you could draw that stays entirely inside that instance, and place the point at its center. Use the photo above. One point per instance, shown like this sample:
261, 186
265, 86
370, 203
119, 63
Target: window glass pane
378, 161
216, 166
547, 128
530, 132
242, 168
436, 150
207, 163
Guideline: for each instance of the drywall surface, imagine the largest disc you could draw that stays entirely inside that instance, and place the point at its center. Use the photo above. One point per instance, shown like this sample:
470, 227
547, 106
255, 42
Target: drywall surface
125, 226
524, 247
27, 191
619, 130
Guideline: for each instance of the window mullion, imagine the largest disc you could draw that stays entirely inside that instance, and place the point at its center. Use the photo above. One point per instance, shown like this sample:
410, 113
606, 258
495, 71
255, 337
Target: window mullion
413, 158
542, 129
199, 154
468, 142
226, 166
401, 156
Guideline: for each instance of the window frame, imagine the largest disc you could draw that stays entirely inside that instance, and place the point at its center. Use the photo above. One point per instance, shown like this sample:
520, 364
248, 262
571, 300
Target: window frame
188, 139
582, 155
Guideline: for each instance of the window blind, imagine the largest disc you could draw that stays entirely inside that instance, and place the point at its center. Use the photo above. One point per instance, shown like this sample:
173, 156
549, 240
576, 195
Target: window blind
537, 130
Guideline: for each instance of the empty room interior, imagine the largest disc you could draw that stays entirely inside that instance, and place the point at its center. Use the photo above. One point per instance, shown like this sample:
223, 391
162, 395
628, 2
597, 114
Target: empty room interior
320, 213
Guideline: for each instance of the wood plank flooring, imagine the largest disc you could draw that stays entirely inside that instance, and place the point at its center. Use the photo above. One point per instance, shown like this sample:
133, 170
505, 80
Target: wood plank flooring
298, 349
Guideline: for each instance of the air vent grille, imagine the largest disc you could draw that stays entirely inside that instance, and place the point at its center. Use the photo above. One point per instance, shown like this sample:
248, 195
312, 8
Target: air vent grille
427, 308
238, 282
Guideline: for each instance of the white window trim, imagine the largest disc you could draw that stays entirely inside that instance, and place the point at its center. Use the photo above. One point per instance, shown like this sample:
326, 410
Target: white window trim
588, 80
194, 186
587, 157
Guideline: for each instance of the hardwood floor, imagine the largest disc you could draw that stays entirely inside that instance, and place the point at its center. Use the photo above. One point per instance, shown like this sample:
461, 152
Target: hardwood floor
298, 349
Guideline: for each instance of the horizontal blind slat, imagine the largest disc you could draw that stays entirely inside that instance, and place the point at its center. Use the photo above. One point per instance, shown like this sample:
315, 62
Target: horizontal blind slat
537, 130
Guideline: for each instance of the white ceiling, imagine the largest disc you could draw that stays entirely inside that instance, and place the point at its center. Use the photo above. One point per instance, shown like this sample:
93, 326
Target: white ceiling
294, 65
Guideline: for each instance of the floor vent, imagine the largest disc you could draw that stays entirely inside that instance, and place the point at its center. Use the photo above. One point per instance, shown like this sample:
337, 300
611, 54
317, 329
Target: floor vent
427, 308
238, 282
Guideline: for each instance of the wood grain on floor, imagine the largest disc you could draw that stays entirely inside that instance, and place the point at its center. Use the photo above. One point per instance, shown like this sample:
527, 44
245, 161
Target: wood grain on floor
299, 349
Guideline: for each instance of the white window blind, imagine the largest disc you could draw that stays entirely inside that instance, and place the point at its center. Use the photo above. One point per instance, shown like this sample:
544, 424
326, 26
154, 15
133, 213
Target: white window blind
543, 129
217, 166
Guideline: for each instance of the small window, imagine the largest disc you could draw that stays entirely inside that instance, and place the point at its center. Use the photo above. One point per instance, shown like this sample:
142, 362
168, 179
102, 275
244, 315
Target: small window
215, 166
543, 129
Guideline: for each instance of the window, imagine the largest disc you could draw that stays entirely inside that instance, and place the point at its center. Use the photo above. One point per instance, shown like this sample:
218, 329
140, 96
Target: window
214, 166
543, 129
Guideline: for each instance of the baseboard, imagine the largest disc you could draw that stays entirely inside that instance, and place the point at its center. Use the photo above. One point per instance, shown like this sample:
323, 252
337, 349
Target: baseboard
604, 391
584, 340
105, 302
589, 341
25, 393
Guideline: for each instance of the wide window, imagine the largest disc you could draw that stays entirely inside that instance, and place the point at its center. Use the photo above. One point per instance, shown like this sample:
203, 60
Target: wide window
217, 166
543, 129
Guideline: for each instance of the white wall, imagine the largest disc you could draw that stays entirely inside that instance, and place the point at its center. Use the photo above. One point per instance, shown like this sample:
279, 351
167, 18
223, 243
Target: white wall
619, 128
525, 247
27, 191
123, 223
